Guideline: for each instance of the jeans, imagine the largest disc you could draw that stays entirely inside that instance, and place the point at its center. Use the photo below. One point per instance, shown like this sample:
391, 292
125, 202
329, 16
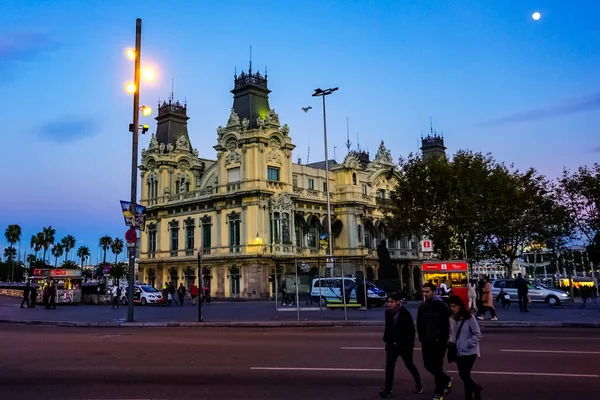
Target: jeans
433, 359
464, 365
484, 309
472, 303
391, 356
25, 300
181, 298
523, 302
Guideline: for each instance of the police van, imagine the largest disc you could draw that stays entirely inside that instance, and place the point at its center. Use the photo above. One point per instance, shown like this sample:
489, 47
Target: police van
329, 292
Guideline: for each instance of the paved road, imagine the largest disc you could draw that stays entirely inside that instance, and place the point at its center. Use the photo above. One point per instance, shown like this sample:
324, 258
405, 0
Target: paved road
262, 311
328, 363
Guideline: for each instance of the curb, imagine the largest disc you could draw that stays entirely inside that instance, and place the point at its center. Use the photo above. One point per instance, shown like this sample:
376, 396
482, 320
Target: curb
285, 324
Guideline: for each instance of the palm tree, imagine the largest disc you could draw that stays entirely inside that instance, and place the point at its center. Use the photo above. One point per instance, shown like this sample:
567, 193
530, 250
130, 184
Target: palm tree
48, 239
10, 253
68, 242
69, 264
57, 251
13, 235
31, 259
105, 242
83, 252
117, 247
36, 243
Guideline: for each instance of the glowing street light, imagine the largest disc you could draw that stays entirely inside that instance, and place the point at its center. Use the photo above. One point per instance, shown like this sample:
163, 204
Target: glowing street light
536, 16
146, 111
130, 87
148, 74
131, 54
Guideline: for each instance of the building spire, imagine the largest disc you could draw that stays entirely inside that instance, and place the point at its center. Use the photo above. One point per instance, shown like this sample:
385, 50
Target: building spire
348, 144
171, 99
357, 141
250, 67
430, 126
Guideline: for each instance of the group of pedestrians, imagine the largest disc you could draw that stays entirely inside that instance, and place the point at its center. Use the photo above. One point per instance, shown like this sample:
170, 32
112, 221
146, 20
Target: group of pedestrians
439, 330
480, 297
30, 294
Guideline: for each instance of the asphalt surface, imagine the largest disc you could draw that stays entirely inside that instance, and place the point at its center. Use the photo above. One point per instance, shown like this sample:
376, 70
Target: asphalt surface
265, 311
308, 363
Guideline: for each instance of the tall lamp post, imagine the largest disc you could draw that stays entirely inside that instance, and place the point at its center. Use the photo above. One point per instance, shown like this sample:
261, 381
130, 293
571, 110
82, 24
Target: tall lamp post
322, 93
134, 89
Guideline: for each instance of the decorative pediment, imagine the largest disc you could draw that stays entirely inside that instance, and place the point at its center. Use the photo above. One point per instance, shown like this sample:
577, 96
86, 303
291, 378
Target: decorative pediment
233, 155
189, 221
281, 202
351, 161
206, 220
272, 118
174, 224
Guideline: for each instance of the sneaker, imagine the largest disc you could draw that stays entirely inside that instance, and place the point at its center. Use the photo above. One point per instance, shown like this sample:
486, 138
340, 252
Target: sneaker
419, 388
494, 319
384, 394
448, 387
480, 318
438, 397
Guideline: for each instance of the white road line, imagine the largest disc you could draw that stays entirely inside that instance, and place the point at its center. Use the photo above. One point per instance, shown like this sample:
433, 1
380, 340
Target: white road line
567, 338
368, 348
324, 369
531, 374
551, 351
317, 369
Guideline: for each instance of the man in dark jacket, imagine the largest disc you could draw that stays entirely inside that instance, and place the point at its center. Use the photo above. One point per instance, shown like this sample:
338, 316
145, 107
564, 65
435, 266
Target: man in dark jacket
433, 326
523, 292
26, 295
399, 338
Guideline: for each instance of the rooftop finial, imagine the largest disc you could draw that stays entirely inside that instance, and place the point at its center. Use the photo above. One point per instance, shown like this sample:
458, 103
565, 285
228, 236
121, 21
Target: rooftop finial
430, 126
250, 67
357, 141
348, 144
235, 72
265, 72
172, 90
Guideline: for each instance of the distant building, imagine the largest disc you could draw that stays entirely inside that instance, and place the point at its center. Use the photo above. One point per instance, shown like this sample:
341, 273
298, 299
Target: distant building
252, 210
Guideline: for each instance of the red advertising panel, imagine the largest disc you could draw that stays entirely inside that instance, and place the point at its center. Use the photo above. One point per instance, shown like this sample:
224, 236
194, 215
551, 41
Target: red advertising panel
445, 266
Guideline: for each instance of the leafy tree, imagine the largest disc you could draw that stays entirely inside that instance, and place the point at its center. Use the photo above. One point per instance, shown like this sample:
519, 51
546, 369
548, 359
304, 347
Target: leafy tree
117, 247
36, 243
57, 251
105, 242
47, 236
69, 264
83, 252
119, 270
10, 253
68, 243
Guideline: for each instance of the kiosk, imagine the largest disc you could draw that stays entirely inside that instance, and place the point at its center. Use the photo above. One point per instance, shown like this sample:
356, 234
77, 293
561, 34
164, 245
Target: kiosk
456, 273
68, 283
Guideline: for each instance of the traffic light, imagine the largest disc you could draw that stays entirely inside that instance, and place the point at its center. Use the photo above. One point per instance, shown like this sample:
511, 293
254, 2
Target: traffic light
145, 128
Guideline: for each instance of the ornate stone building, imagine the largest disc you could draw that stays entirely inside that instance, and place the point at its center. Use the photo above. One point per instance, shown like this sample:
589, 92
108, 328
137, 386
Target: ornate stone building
252, 211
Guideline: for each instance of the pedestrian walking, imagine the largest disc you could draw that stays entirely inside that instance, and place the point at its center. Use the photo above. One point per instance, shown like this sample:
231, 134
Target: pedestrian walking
194, 293
399, 339
480, 286
522, 292
32, 296
26, 295
472, 294
52, 294
171, 289
487, 302
181, 294
433, 327
464, 348
115, 297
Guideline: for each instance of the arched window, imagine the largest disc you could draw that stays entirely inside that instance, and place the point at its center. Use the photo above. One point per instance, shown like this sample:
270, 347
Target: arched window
152, 185
182, 184
234, 232
280, 228
354, 179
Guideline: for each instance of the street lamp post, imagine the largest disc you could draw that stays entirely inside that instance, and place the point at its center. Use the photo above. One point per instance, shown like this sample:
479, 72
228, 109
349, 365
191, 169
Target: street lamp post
322, 93
200, 284
134, 161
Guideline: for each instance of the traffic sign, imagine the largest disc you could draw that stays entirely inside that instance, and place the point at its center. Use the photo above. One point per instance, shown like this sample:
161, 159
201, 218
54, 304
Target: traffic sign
426, 246
129, 245
131, 235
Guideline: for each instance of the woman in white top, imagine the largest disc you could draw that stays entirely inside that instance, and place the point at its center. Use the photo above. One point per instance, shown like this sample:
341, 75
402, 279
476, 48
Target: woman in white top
472, 293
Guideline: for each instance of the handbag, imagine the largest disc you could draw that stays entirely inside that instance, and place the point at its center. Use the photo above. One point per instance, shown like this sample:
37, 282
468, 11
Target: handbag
452, 349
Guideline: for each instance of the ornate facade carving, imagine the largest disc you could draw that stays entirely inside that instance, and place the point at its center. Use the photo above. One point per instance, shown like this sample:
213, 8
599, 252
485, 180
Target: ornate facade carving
220, 131
351, 161
245, 124
233, 155
182, 144
272, 118
281, 202
383, 156
285, 130
234, 119
153, 145
260, 123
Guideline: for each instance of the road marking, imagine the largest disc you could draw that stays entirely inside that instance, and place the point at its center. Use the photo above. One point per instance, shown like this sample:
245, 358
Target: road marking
531, 374
323, 369
368, 348
567, 338
551, 351
317, 369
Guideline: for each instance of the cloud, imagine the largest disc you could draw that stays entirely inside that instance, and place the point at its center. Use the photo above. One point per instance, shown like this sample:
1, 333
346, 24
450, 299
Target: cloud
67, 130
571, 106
21, 47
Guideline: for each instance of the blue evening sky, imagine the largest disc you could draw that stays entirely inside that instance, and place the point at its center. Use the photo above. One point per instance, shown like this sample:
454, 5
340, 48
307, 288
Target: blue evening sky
493, 80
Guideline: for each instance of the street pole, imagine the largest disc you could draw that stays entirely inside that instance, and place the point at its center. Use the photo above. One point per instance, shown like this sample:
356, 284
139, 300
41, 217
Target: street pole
134, 161
323, 93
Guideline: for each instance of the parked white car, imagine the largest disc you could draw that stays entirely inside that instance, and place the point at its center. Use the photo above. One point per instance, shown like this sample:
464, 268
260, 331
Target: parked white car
537, 292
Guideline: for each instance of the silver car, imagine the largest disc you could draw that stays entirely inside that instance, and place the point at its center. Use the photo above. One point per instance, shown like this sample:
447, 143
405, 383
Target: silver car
537, 292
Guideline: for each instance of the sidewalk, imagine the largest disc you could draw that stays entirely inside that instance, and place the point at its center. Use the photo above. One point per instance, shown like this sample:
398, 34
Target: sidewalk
264, 314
